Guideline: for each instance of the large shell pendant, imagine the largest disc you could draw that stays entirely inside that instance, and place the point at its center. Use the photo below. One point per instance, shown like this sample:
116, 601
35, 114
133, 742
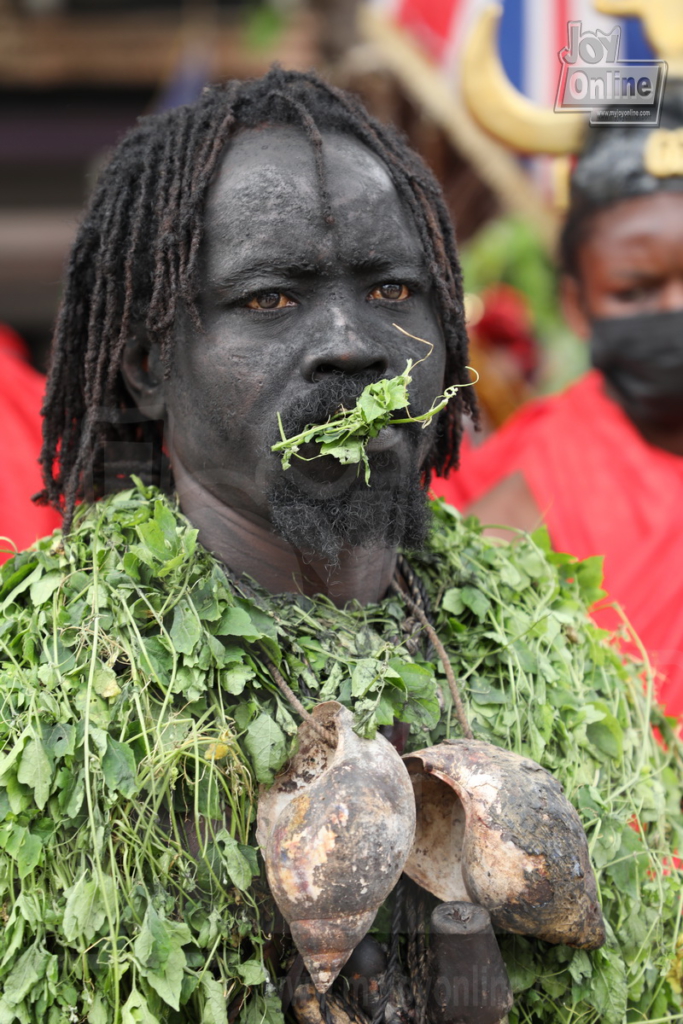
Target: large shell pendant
335, 829
495, 828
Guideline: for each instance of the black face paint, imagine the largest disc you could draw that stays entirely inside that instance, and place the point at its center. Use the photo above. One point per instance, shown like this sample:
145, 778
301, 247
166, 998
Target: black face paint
264, 232
393, 511
642, 358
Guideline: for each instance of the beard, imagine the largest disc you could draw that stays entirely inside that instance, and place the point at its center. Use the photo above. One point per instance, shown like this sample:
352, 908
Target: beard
392, 510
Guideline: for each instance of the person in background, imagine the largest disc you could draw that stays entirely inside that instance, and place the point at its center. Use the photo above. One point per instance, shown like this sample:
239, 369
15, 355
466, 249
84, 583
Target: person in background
601, 464
21, 396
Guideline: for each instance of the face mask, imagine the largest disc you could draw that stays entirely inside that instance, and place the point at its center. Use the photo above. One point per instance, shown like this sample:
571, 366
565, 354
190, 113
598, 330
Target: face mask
642, 358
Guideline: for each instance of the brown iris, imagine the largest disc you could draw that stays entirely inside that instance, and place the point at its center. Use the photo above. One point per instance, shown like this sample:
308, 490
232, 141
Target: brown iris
393, 291
269, 300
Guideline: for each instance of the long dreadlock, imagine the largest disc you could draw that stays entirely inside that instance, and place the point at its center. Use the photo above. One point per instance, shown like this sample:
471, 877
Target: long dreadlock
135, 264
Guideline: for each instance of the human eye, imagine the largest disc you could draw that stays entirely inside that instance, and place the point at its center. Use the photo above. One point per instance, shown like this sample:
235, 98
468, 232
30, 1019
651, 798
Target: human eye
269, 300
392, 291
637, 292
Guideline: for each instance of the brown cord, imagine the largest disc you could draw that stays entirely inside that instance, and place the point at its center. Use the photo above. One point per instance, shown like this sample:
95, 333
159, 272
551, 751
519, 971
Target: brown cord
441, 651
326, 735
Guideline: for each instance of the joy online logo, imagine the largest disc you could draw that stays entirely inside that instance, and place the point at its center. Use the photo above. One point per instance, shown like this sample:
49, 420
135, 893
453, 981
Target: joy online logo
592, 77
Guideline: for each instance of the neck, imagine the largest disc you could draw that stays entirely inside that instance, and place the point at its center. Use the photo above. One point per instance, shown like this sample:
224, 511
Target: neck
246, 544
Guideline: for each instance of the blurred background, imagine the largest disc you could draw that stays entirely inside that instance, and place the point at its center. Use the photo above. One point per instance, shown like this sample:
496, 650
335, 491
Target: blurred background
75, 74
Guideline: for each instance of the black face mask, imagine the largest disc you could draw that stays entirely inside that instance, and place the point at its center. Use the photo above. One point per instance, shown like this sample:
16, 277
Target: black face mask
642, 358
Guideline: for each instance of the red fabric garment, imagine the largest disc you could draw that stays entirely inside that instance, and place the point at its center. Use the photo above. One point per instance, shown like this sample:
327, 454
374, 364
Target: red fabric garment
21, 396
603, 490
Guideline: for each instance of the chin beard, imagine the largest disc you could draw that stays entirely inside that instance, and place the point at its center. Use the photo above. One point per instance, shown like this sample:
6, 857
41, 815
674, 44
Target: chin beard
389, 515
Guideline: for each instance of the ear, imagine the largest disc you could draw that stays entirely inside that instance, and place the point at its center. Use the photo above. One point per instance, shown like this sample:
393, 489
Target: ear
573, 306
143, 373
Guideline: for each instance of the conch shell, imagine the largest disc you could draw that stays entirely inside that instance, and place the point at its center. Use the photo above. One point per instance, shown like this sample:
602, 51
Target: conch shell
335, 830
496, 829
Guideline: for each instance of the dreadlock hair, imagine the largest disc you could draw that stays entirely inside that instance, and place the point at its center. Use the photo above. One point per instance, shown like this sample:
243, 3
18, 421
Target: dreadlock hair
135, 265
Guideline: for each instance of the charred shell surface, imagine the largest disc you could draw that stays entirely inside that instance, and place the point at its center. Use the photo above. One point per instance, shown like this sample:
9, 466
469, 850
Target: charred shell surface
335, 828
521, 852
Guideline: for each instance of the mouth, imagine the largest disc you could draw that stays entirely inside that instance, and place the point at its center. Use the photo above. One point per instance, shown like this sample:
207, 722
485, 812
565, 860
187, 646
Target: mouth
387, 438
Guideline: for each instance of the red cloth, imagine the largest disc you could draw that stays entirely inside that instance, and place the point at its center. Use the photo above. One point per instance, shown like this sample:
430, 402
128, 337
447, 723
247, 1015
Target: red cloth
21, 396
603, 490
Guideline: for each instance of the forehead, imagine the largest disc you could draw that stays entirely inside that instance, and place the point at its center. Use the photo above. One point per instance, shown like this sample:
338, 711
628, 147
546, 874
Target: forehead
266, 204
653, 222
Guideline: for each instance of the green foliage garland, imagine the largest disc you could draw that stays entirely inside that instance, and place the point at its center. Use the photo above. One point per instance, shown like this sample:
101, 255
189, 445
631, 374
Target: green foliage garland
137, 719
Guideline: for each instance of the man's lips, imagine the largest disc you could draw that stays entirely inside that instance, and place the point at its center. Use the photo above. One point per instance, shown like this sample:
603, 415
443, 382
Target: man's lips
387, 438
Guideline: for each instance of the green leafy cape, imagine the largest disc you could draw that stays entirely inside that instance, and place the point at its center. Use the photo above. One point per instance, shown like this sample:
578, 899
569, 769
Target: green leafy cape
137, 719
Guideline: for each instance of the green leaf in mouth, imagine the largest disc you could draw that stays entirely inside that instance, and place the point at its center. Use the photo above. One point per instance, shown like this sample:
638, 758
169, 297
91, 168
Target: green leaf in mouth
345, 436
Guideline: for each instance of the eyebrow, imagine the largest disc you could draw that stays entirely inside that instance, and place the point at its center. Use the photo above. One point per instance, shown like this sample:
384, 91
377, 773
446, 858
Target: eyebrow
400, 261
245, 274
633, 273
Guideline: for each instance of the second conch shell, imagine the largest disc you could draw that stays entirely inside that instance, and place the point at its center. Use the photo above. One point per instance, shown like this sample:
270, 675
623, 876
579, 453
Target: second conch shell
495, 828
335, 829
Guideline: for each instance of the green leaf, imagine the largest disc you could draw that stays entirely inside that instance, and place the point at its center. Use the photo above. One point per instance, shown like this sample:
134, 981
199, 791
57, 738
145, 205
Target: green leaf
607, 735
610, 987
29, 855
262, 1010
580, 965
7, 762
364, 675
105, 682
452, 601
168, 982
158, 949
266, 745
35, 770
97, 1013
236, 622
61, 740
119, 768
483, 693
532, 562
236, 864
589, 575
215, 1002
475, 600
154, 541
167, 522
252, 972
20, 797
186, 629
85, 910
29, 969
42, 590
235, 678
419, 679
630, 864
136, 1010
18, 582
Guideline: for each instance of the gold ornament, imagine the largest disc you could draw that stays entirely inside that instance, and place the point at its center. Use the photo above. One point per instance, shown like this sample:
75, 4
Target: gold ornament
502, 110
662, 22
664, 153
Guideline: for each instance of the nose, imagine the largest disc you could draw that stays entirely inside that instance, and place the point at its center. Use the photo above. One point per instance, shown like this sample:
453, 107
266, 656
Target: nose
341, 345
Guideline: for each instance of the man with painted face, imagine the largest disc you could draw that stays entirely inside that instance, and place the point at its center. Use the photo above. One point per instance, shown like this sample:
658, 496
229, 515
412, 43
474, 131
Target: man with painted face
247, 256
309, 257
602, 464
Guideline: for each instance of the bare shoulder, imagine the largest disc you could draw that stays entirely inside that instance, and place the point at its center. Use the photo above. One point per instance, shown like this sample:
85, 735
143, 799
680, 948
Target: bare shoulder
509, 503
